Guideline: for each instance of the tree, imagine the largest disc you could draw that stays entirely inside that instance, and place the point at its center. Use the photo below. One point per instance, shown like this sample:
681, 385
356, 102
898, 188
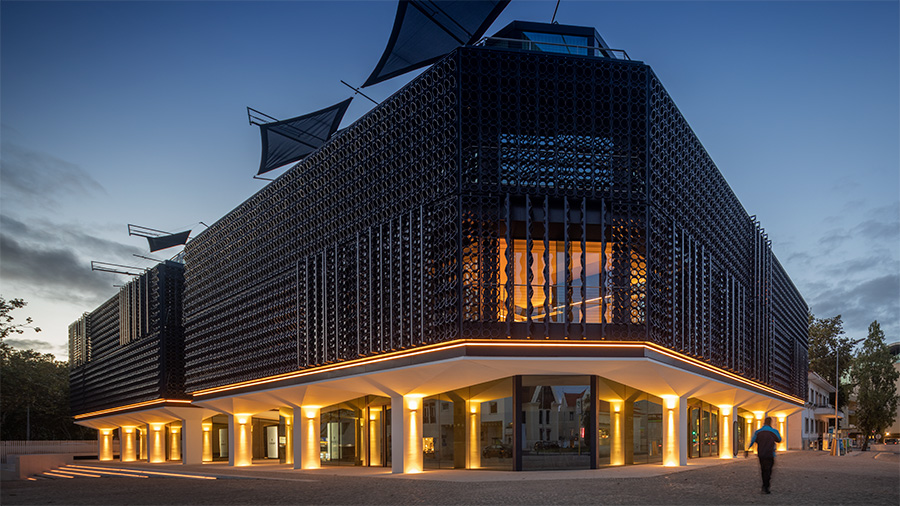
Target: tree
34, 399
825, 336
6, 325
875, 379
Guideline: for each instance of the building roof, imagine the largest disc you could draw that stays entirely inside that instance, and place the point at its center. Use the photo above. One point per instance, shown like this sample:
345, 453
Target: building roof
819, 381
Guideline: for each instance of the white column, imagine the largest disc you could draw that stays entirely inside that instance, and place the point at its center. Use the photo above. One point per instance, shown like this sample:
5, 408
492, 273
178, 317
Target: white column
374, 443
306, 437
796, 425
156, 442
675, 420
406, 434
781, 423
617, 433
127, 444
145, 443
104, 444
288, 415
239, 440
726, 426
194, 437
748, 432
473, 434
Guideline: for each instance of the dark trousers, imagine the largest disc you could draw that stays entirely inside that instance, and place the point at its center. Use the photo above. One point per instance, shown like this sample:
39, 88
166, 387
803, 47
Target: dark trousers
765, 466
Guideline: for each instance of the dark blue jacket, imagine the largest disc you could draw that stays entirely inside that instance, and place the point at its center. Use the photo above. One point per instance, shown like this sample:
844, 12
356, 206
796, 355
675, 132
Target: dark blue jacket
765, 439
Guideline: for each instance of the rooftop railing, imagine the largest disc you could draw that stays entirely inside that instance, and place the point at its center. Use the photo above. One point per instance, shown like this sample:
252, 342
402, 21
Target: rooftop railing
555, 47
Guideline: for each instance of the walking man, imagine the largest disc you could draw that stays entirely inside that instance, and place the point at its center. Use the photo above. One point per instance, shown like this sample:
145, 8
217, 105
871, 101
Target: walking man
765, 439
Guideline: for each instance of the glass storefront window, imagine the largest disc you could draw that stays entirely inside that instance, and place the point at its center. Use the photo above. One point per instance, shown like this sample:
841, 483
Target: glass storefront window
556, 415
703, 429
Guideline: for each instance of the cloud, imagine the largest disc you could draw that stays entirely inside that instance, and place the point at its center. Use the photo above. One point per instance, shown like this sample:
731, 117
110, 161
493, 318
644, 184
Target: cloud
863, 301
833, 238
32, 178
879, 230
51, 259
38, 345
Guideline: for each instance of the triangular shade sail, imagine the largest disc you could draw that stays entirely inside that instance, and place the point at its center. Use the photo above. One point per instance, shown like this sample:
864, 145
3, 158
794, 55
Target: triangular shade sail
167, 241
426, 30
288, 141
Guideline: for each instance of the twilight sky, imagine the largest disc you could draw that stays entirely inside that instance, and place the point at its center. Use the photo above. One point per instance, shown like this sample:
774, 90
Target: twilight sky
134, 112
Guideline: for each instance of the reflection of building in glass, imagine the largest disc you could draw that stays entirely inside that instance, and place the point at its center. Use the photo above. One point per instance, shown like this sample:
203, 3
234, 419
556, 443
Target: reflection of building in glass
524, 259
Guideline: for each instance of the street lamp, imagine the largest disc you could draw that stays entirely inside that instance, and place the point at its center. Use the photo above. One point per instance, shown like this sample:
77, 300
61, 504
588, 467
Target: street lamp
837, 387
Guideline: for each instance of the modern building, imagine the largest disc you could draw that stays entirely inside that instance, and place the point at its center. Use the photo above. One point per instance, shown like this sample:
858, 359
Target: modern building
523, 259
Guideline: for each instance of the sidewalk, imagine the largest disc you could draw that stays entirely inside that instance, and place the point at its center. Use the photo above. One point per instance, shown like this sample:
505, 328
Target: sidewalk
800, 478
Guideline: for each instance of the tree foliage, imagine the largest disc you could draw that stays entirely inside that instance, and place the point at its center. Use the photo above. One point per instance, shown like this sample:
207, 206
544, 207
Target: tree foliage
7, 327
35, 388
875, 377
825, 336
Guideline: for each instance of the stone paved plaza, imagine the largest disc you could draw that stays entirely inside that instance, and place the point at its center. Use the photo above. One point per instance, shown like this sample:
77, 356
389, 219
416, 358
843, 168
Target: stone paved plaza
799, 478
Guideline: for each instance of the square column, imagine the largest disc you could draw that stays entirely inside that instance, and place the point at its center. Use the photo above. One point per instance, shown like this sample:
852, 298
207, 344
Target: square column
374, 443
128, 444
144, 445
306, 437
104, 444
406, 434
239, 440
617, 434
781, 424
748, 433
206, 443
156, 443
675, 420
192, 439
288, 415
726, 437
473, 434
175, 432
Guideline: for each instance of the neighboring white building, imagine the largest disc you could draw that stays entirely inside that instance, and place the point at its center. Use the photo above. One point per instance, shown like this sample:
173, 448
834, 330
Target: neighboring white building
810, 424
893, 432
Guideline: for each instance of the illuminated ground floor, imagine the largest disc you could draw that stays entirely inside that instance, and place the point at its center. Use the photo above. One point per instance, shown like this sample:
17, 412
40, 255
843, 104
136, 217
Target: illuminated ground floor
511, 405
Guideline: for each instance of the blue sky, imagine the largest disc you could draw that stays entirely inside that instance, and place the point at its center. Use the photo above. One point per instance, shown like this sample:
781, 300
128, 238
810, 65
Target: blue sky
134, 112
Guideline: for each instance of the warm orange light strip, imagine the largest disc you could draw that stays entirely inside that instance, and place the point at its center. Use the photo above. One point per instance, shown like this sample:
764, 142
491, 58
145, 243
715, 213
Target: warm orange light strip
55, 475
506, 343
69, 471
127, 475
196, 477
131, 406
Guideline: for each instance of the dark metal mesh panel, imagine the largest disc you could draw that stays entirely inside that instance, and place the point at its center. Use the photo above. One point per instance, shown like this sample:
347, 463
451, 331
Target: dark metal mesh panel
151, 364
390, 235
349, 253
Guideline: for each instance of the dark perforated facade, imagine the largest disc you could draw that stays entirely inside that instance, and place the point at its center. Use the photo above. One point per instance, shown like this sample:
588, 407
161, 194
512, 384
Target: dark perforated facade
135, 344
459, 208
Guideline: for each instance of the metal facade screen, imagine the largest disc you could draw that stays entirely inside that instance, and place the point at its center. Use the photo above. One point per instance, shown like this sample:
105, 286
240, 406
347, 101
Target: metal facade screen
462, 206
132, 345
